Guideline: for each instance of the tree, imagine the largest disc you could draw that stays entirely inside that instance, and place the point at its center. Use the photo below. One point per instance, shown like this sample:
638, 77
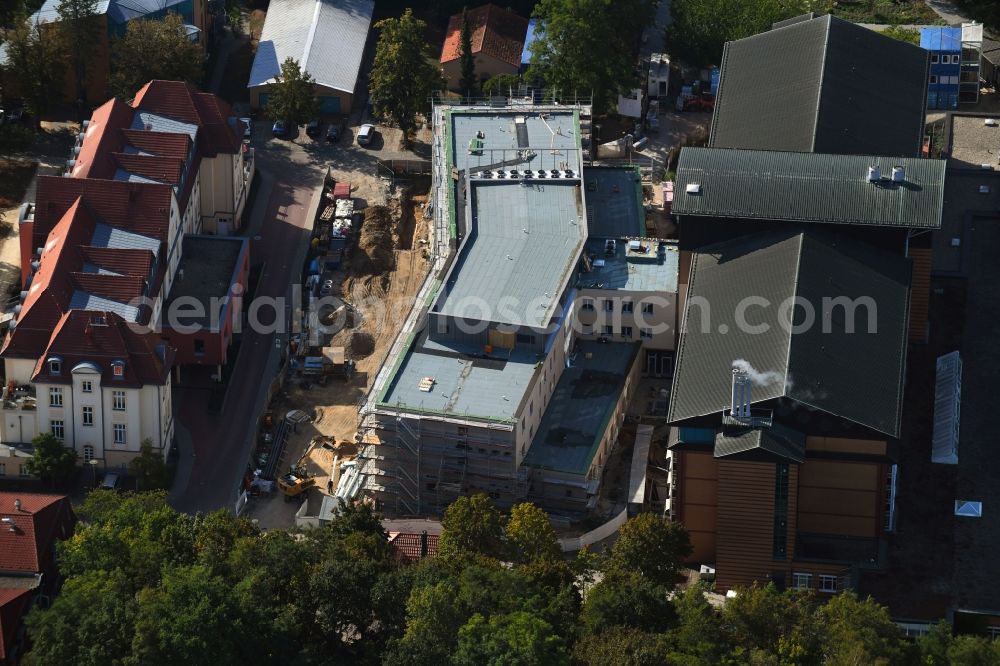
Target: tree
472, 527
700, 28
149, 468
14, 139
903, 34
515, 638
80, 27
501, 84
627, 600
530, 535
51, 461
154, 49
621, 647
292, 96
587, 47
403, 76
467, 81
235, 15
35, 61
761, 621
652, 546
859, 631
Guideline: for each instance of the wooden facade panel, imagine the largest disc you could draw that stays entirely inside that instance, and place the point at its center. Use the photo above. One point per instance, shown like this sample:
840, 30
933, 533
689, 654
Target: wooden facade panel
699, 517
702, 547
700, 465
838, 502
837, 474
824, 523
920, 292
843, 445
745, 524
700, 491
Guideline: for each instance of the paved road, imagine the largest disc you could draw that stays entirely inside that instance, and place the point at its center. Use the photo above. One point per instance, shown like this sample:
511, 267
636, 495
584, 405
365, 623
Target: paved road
215, 447
948, 11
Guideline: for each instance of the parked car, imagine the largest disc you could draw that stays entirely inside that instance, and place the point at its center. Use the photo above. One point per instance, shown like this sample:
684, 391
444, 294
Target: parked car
334, 131
247, 129
312, 129
365, 134
111, 481
280, 129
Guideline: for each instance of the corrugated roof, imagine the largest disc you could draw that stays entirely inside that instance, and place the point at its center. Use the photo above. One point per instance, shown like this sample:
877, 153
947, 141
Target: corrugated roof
750, 443
809, 187
857, 376
118, 11
846, 90
523, 246
495, 32
941, 38
326, 37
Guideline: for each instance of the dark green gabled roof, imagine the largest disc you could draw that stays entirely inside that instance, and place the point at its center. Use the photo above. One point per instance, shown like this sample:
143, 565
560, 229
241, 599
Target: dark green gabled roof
855, 376
809, 187
763, 443
823, 85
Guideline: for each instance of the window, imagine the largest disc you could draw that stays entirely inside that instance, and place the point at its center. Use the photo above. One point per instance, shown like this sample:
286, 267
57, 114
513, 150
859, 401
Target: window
88, 453
55, 397
934, 58
827, 583
646, 333
628, 306
525, 339
55, 366
800, 581
955, 59
88, 416
3, 469
58, 429
22, 471
118, 369
933, 78
647, 308
119, 434
626, 331
118, 401
587, 306
609, 305
87, 386
609, 330
199, 347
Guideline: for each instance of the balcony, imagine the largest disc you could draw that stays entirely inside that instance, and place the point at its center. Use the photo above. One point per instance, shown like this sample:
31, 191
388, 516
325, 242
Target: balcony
19, 398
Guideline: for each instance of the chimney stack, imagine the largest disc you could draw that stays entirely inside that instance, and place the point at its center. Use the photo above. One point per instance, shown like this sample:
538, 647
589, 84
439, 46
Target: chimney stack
17, 504
740, 408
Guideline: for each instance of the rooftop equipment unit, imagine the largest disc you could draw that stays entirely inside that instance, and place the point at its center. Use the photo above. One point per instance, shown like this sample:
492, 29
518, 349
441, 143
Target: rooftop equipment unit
740, 406
898, 174
874, 174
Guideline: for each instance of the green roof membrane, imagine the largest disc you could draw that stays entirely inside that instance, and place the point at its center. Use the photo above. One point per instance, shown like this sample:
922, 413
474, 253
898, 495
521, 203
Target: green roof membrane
807, 187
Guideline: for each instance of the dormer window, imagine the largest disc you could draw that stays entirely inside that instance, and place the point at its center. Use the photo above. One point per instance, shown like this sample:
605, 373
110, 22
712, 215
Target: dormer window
118, 369
55, 366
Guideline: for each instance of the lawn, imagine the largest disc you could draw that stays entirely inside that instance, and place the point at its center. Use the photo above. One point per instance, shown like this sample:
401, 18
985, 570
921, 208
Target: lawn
884, 11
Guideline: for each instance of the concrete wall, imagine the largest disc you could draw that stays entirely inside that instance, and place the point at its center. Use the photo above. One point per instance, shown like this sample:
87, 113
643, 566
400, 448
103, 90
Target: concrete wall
663, 317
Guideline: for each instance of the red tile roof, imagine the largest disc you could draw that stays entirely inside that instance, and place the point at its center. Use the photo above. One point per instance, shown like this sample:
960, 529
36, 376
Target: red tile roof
163, 169
164, 144
221, 131
40, 521
102, 137
138, 263
496, 32
406, 546
121, 288
100, 338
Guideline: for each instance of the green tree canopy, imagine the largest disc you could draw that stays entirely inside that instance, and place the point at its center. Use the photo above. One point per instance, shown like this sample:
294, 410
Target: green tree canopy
154, 49
588, 47
700, 28
467, 62
403, 76
472, 527
501, 84
149, 468
292, 97
514, 638
80, 27
36, 62
652, 546
14, 139
51, 461
530, 535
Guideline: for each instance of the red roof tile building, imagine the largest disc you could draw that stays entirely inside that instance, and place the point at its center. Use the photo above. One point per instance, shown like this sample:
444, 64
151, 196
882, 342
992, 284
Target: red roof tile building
30, 526
497, 42
105, 250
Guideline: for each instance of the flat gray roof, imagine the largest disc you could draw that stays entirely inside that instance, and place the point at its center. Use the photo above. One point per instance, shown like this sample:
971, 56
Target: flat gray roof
551, 137
583, 402
523, 244
463, 386
620, 272
208, 264
808, 187
614, 202
973, 142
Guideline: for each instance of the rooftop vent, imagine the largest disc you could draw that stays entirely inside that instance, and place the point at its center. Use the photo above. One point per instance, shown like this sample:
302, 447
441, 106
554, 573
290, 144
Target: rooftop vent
874, 174
740, 406
693, 188
991, 122
968, 509
898, 174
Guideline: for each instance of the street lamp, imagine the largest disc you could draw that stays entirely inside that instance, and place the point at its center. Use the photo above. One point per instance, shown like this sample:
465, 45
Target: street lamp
93, 466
